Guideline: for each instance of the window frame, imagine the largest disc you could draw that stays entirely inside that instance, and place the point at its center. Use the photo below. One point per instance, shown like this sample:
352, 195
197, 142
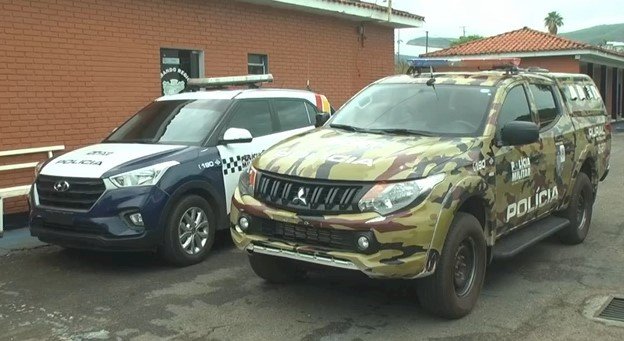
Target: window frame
556, 99
512, 86
224, 125
301, 100
264, 64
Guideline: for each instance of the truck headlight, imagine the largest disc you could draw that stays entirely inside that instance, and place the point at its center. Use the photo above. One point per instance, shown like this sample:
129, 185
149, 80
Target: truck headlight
247, 181
143, 176
391, 197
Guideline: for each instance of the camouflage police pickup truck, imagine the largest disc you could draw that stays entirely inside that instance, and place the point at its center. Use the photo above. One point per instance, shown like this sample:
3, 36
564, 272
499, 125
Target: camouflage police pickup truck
429, 177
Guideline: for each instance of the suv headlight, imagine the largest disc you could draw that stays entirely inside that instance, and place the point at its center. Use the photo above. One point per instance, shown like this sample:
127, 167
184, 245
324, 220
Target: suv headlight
247, 181
391, 197
143, 176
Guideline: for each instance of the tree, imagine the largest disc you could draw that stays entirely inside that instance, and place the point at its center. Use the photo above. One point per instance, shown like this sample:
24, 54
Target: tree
553, 21
465, 39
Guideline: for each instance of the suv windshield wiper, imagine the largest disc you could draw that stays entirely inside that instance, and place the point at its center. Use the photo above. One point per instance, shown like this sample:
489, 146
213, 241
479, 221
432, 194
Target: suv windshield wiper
129, 141
348, 127
404, 131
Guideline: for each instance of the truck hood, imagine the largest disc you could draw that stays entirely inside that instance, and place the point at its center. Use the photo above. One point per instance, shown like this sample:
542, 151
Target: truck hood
95, 160
334, 154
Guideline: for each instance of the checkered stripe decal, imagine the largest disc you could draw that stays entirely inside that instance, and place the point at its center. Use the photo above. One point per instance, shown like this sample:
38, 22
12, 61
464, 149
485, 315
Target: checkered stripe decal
236, 164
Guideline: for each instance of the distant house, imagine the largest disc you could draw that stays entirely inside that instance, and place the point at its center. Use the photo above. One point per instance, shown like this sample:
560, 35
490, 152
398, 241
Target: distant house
536, 48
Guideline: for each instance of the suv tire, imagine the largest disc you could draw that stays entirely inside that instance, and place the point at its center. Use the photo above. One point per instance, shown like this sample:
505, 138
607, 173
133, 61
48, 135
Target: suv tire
453, 289
190, 231
579, 211
275, 270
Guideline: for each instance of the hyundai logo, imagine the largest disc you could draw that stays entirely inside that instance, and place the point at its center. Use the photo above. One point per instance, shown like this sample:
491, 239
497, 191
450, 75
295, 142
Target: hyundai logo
300, 198
61, 186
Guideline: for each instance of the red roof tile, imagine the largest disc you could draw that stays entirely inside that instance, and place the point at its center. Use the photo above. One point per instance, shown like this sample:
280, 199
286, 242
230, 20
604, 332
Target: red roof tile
522, 40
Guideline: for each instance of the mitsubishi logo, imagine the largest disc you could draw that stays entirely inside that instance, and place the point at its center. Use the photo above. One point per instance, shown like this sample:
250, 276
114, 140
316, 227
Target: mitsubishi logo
61, 186
300, 198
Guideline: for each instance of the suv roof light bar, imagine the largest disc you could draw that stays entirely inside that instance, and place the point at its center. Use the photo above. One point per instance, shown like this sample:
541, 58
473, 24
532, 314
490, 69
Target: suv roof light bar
220, 82
508, 64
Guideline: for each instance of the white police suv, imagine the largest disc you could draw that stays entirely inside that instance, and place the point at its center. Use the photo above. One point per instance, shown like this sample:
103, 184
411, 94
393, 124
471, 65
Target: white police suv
164, 179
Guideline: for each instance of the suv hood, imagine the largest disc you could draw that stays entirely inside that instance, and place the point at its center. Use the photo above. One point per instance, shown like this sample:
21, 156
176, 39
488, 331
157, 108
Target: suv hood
93, 161
334, 154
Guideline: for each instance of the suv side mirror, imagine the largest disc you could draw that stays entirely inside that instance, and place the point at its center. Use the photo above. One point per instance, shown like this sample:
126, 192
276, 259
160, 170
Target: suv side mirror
236, 135
320, 119
519, 132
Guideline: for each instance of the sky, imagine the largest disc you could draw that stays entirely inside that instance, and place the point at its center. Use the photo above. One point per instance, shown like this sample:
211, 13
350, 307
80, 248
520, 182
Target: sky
445, 18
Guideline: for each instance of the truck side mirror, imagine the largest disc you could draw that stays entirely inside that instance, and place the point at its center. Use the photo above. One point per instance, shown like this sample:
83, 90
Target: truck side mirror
517, 133
320, 119
236, 135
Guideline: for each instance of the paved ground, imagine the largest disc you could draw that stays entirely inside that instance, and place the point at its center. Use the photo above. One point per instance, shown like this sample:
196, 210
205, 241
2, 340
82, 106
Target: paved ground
548, 292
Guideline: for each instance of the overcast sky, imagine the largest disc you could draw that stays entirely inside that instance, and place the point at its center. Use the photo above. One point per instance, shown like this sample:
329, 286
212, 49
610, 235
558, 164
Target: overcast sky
445, 18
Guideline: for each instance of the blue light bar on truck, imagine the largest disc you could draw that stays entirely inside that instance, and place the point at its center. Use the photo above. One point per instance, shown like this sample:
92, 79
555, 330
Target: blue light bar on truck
459, 62
213, 82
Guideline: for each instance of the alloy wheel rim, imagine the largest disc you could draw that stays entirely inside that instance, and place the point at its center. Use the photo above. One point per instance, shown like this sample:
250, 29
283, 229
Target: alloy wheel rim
465, 267
193, 230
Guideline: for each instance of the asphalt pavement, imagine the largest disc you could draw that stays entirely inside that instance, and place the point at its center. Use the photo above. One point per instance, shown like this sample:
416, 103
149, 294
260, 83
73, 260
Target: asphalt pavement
550, 291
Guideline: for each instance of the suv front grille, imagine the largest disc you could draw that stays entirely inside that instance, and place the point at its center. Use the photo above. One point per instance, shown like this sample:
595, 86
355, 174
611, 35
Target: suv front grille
81, 194
324, 237
309, 196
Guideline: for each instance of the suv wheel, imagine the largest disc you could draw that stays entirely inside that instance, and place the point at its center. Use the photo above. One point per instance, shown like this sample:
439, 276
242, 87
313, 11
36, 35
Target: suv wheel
275, 270
190, 231
579, 212
453, 289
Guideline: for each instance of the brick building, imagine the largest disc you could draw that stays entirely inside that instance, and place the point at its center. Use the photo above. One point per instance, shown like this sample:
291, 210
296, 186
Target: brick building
540, 49
74, 70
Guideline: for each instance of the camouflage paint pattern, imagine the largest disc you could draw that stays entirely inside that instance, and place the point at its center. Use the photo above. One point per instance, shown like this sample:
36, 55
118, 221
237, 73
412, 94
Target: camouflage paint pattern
475, 168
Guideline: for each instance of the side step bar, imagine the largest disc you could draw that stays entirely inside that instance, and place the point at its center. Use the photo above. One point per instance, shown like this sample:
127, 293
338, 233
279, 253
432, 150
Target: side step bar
517, 241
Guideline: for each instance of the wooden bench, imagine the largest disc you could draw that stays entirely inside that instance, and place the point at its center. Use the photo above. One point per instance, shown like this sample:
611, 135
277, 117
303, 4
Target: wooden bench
17, 191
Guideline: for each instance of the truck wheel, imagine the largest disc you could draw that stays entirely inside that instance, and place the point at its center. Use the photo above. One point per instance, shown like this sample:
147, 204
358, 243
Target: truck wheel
190, 231
579, 212
453, 289
275, 269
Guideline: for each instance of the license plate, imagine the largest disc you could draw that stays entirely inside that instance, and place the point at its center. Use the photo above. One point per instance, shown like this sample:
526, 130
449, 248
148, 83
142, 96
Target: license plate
60, 218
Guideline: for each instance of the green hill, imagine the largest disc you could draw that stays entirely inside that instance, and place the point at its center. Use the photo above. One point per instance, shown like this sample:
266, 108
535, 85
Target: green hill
597, 34
433, 42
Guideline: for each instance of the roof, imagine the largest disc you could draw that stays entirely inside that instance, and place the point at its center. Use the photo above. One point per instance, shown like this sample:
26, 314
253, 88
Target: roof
522, 40
355, 10
240, 93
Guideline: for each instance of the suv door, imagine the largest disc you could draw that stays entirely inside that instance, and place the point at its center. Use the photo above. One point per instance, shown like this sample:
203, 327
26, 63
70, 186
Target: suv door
518, 168
557, 141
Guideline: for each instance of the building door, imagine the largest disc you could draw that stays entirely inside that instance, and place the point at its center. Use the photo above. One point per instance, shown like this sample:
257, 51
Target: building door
176, 67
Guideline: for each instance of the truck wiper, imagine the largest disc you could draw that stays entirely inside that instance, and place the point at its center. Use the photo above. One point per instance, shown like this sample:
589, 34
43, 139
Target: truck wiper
404, 131
348, 127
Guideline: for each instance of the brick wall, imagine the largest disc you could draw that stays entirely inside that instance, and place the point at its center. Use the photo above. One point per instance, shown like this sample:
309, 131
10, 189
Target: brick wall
74, 70
555, 64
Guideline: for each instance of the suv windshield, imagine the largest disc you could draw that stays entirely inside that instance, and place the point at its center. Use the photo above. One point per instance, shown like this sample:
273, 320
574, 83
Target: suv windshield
185, 122
438, 110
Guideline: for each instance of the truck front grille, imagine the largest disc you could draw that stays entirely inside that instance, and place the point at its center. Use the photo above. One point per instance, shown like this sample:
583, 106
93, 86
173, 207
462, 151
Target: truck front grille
80, 194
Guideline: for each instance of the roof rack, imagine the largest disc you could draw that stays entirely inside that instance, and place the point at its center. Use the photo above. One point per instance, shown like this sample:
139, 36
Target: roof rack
253, 81
510, 65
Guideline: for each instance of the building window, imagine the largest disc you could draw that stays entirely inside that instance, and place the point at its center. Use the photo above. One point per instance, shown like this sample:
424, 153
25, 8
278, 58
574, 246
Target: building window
176, 67
257, 64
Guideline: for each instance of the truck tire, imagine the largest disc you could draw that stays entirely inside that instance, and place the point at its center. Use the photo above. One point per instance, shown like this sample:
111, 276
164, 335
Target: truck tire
275, 270
453, 289
579, 212
190, 232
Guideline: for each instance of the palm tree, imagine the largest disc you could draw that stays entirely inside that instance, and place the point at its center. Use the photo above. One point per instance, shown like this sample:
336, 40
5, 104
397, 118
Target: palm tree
553, 21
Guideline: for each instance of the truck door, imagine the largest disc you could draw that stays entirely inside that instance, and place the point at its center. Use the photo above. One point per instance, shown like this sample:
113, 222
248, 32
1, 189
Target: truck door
518, 168
557, 141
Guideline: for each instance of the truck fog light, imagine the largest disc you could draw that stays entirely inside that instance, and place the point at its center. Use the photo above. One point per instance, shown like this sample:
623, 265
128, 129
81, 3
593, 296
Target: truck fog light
363, 243
243, 222
136, 219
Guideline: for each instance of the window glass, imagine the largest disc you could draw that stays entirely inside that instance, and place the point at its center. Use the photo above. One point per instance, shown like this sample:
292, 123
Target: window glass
443, 110
257, 64
254, 115
172, 122
312, 111
514, 108
176, 67
580, 92
545, 102
292, 114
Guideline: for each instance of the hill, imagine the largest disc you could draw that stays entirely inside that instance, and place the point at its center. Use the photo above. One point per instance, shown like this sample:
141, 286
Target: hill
597, 34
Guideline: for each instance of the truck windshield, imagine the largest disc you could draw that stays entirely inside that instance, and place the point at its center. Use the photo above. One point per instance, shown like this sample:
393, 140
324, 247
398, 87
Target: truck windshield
186, 122
419, 109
